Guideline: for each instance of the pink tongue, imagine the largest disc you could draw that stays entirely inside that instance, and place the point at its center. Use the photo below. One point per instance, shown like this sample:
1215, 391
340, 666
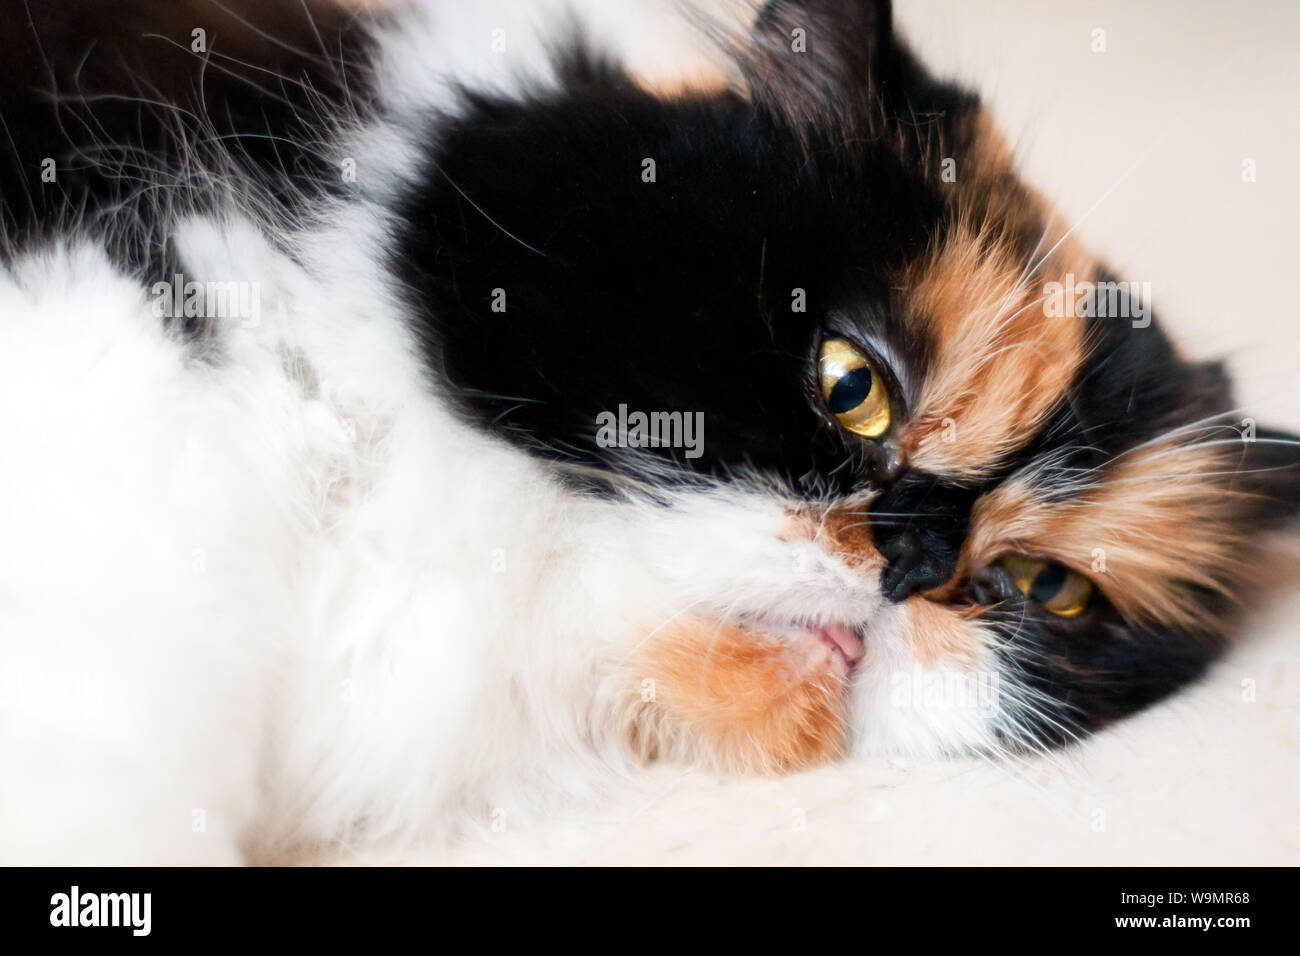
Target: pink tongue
845, 640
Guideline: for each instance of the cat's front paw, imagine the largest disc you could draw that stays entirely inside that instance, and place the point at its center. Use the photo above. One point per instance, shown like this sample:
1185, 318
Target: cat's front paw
743, 698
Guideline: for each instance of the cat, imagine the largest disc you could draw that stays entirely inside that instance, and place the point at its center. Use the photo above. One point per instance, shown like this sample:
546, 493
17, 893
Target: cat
420, 417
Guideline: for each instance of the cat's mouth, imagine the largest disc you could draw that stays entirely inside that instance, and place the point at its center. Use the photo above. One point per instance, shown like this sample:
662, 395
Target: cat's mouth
843, 641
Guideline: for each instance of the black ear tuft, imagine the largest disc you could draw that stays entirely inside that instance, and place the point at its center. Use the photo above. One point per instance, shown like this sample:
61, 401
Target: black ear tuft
835, 68
853, 32
814, 62
1270, 467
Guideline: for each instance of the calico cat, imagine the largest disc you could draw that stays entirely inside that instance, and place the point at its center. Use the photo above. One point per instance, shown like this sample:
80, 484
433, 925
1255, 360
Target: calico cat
418, 418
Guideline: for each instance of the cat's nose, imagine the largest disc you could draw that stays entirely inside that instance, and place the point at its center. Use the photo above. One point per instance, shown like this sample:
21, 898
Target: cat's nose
910, 568
918, 525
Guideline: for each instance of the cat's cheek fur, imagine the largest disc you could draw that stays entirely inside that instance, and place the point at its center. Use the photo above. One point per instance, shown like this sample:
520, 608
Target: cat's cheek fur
929, 685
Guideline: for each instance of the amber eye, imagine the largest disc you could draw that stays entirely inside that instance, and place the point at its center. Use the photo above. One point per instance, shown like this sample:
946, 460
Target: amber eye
853, 389
1064, 592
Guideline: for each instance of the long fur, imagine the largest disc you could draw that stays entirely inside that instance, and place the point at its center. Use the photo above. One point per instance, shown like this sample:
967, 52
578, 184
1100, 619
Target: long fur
290, 581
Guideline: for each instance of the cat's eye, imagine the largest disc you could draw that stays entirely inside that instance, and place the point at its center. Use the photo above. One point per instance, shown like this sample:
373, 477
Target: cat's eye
853, 388
1064, 592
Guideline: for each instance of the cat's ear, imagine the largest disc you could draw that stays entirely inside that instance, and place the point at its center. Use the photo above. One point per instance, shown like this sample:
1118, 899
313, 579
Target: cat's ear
836, 66
811, 62
1270, 467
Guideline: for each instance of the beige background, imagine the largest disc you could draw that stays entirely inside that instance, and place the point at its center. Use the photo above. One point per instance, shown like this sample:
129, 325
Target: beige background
1143, 146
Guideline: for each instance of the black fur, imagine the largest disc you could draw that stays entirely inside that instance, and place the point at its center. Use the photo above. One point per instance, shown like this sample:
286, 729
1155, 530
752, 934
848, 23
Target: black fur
115, 96
675, 295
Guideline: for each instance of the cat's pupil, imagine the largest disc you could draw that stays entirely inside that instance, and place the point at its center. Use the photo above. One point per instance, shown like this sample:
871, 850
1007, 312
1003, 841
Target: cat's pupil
850, 391
1047, 583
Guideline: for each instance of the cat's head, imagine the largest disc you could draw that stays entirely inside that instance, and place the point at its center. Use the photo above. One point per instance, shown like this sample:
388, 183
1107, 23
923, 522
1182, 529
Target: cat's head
934, 473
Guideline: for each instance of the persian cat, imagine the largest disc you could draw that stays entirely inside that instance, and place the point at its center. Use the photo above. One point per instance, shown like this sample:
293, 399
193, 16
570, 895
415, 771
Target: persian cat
425, 414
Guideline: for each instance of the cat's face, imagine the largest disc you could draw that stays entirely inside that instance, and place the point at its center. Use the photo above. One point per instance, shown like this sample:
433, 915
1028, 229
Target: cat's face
916, 490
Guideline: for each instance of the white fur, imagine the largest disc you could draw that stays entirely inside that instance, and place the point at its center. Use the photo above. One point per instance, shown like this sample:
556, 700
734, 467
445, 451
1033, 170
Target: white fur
281, 595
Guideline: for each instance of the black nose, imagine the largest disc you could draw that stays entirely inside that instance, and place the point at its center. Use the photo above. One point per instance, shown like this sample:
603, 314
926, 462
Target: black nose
918, 526
910, 568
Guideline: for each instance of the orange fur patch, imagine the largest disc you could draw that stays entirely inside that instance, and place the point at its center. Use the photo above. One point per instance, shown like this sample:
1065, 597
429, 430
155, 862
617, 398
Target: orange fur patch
1000, 366
990, 191
936, 634
1159, 524
843, 530
738, 698
698, 78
